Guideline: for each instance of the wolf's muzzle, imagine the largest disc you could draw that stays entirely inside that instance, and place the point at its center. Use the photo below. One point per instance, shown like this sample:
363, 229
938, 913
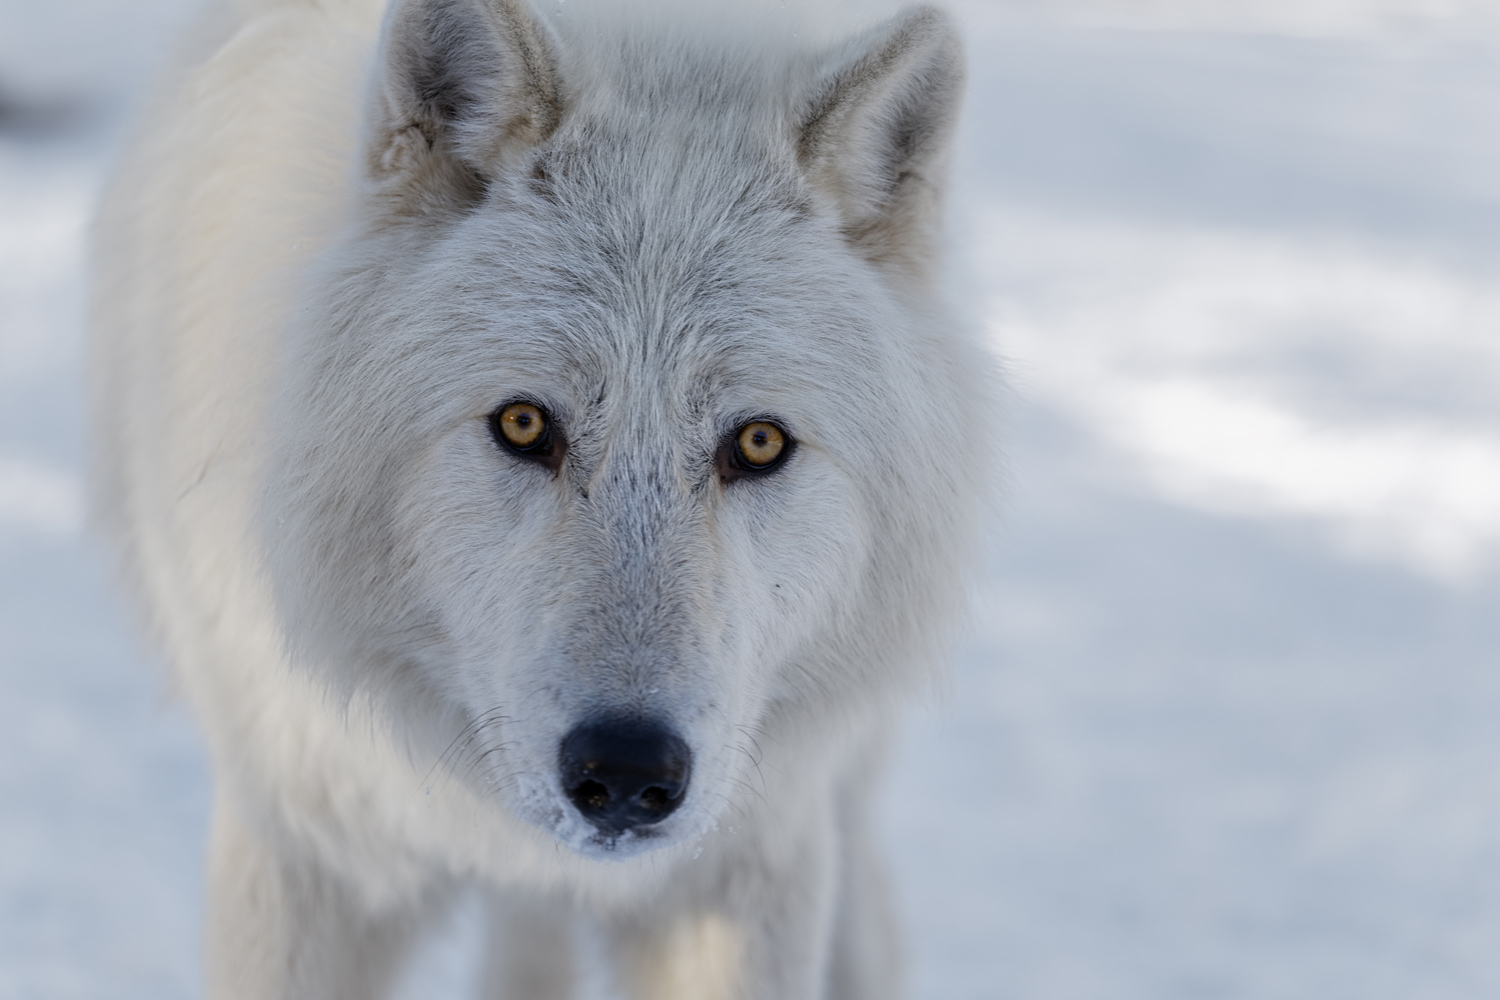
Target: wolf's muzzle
624, 773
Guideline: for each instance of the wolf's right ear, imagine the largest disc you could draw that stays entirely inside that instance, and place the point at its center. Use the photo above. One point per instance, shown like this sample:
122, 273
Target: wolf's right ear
464, 87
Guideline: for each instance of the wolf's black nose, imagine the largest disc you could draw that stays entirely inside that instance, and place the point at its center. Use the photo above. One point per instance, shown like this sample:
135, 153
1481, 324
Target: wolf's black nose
624, 773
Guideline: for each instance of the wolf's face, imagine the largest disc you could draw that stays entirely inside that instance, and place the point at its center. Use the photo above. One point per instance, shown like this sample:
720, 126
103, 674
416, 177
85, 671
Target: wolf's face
618, 432
695, 516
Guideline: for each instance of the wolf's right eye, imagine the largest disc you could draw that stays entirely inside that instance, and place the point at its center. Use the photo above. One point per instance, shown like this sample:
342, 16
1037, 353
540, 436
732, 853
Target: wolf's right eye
522, 425
524, 429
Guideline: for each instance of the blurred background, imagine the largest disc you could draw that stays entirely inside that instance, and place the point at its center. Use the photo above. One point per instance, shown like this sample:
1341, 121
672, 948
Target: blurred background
1228, 721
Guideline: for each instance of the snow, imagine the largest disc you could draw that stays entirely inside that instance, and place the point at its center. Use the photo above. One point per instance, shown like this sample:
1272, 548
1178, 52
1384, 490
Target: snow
1223, 726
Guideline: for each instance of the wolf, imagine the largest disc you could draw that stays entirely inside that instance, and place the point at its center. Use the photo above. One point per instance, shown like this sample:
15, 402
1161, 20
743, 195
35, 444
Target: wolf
542, 447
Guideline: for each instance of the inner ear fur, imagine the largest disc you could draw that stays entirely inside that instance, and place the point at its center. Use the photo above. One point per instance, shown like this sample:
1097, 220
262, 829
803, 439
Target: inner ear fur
876, 135
465, 87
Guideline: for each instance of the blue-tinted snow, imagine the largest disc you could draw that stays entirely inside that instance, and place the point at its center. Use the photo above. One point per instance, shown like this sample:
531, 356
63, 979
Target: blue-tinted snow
1225, 725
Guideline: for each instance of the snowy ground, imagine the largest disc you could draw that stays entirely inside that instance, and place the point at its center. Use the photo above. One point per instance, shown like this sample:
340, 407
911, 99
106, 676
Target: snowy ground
1227, 724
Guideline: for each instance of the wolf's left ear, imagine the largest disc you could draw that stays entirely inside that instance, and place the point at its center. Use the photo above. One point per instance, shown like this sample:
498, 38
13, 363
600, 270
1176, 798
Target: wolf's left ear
463, 86
876, 135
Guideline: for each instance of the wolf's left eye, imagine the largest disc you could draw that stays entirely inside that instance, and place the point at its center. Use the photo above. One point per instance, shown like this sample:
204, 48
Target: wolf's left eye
757, 447
525, 429
760, 444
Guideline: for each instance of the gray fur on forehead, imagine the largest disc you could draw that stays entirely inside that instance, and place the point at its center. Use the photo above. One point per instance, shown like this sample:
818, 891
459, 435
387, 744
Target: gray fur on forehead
648, 237
698, 142
627, 184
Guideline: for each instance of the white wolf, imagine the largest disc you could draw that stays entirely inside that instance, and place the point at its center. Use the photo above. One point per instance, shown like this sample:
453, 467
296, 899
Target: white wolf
541, 449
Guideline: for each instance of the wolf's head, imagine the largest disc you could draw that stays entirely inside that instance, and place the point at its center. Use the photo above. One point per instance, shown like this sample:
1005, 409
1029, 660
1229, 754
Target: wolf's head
626, 427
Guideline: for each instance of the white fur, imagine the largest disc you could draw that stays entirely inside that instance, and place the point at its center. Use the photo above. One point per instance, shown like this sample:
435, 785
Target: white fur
344, 236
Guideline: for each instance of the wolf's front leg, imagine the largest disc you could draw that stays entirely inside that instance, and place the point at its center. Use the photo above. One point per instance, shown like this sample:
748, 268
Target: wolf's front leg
756, 928
280, 930
866, 959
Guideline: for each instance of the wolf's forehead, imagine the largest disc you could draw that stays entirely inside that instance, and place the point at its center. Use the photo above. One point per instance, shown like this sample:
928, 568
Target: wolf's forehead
711, 122
672, 279
709, 178
677, 240
670, 243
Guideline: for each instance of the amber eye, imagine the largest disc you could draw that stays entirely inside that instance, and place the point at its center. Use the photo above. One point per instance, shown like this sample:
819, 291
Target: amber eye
759, 445
526, 431
521, 425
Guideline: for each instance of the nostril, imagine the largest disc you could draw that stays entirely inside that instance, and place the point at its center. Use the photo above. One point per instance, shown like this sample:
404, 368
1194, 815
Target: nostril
657, 799
624, 773
592, 794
